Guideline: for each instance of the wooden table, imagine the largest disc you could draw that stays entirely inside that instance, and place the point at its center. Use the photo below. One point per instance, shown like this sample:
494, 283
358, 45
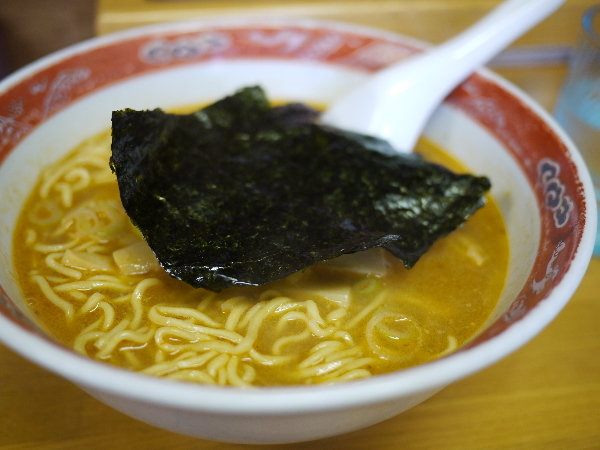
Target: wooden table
544, 396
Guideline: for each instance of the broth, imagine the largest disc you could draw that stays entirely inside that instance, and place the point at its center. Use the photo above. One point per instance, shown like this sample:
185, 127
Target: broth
362, 315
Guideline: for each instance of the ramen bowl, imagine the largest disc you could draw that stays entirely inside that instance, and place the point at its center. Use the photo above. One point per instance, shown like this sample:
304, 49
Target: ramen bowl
539, 182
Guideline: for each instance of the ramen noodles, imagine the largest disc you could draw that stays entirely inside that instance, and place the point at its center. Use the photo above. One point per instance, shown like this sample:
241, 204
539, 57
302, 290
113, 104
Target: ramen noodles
94, 285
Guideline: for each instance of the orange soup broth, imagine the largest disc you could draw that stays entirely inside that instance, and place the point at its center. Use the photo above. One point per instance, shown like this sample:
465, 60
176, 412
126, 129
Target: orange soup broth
450, 292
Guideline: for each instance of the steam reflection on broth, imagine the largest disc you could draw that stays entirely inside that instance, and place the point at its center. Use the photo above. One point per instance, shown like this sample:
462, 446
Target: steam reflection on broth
93, 283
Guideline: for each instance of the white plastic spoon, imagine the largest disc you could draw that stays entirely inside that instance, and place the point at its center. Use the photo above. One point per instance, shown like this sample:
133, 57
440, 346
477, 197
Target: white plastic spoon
395, 103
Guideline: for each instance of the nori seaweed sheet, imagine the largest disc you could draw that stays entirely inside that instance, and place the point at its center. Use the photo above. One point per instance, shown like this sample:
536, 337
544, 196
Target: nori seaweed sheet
242, 193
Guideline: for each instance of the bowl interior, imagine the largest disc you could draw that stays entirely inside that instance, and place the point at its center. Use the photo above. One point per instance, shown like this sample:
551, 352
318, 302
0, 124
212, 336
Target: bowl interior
307, 82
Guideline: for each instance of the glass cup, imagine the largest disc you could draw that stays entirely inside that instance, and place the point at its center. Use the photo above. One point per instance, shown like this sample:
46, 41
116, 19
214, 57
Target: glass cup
578, 105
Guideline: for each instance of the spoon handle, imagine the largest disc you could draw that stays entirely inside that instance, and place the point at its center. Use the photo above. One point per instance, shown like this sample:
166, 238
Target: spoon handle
487, 37
396, 102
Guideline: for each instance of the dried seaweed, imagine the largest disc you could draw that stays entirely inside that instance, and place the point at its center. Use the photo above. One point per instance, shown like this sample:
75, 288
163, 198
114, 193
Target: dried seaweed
241, 193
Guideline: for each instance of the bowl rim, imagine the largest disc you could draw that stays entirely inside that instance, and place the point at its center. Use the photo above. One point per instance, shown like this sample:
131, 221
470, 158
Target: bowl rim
98, 376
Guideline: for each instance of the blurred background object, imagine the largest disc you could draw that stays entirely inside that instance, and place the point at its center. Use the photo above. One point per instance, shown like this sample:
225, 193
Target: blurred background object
578, 105
34, 28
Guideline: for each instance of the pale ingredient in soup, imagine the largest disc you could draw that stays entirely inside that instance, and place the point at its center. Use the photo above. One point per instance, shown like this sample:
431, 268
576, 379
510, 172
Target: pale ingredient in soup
94, 284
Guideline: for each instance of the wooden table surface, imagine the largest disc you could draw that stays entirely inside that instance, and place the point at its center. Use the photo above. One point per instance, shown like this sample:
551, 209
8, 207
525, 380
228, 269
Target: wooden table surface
544, 396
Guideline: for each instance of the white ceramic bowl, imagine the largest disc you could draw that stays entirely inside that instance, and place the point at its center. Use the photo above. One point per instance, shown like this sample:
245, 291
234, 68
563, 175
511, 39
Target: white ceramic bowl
538, 177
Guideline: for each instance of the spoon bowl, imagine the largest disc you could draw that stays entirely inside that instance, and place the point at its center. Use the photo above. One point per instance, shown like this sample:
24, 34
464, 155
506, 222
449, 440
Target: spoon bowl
396, 103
